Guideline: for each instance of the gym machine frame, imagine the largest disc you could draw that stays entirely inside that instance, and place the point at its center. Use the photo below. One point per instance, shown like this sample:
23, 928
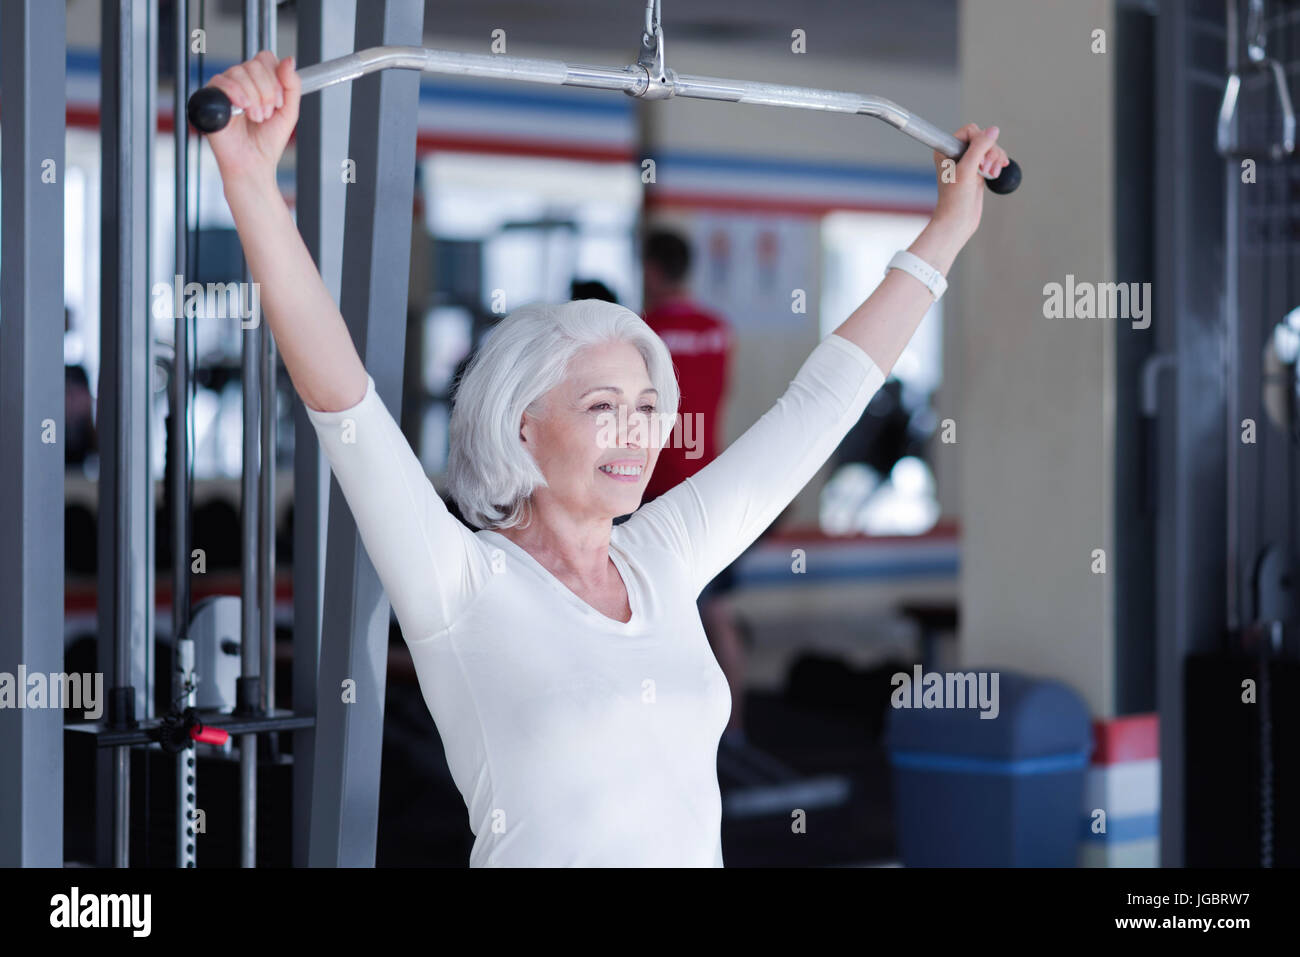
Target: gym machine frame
649, 78
130, 722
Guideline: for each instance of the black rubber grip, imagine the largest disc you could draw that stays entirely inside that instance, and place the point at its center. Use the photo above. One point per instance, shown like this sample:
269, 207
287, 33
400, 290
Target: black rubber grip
209, 110
1007, 180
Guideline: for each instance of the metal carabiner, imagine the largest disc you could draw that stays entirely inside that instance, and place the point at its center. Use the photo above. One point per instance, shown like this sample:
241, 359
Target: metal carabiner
1256, 51
650, 56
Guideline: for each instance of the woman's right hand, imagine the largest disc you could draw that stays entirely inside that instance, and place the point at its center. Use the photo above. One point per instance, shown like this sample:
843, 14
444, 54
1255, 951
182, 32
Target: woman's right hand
267, 90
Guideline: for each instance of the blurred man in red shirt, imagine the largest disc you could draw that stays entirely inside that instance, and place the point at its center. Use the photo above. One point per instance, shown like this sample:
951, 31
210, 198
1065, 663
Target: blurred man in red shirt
700, 343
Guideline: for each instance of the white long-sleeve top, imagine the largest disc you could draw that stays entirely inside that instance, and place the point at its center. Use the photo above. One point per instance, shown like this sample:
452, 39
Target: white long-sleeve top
576, 739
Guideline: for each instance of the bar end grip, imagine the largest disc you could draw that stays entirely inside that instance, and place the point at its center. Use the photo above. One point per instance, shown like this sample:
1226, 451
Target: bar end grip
209, 110
1007, 180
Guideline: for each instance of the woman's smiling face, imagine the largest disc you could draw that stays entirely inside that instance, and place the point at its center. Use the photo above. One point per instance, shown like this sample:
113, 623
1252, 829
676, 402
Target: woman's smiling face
596, 435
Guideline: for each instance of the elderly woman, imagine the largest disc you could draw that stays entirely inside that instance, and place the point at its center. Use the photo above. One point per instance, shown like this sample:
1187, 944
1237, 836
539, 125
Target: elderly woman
562, 656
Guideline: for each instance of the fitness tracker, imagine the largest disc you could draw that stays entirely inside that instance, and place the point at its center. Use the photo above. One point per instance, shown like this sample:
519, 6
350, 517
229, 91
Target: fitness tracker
921, 269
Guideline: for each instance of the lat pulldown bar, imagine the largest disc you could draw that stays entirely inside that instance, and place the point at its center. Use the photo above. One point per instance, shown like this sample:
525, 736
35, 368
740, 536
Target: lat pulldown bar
210, 109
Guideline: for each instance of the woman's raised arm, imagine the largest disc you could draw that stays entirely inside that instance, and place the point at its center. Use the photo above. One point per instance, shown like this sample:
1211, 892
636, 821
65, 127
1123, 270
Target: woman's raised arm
884, 324
713, 516
430, 564
313, 339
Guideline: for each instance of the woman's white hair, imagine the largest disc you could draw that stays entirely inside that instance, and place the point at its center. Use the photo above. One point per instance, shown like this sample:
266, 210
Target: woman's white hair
489, 472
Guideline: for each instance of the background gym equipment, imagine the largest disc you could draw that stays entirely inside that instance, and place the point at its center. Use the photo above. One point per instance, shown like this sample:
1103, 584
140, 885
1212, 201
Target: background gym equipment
649, 78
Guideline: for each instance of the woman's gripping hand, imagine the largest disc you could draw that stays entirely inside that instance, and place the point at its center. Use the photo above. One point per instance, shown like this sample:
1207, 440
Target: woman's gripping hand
961, 182
251, 144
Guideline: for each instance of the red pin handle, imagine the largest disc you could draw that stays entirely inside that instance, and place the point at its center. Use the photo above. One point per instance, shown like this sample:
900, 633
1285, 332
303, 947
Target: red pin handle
209, 735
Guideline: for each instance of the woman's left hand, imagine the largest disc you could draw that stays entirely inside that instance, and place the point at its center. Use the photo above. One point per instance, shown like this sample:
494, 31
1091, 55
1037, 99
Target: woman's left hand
961, 182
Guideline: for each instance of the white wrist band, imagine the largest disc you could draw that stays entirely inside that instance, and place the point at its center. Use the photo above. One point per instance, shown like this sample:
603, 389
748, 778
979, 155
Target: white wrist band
921, 269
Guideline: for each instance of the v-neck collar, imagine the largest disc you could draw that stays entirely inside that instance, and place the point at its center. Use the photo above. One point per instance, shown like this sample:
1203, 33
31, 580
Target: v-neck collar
632, 624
